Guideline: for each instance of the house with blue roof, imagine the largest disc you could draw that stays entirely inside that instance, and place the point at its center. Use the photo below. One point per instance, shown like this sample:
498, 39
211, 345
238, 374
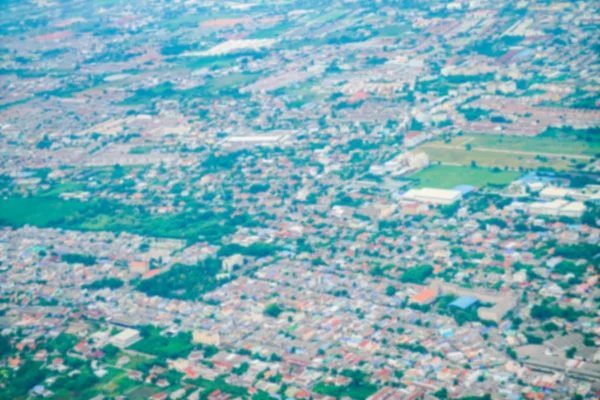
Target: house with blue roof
464, 189
464, 302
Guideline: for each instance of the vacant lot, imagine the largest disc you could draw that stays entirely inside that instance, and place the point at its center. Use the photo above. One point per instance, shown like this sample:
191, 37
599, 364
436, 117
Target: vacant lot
448, 176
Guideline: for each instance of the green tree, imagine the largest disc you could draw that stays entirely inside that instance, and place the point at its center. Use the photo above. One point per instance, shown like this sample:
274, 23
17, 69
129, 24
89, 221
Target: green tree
390, 290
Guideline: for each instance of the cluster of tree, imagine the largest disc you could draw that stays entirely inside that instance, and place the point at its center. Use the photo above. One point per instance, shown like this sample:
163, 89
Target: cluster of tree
417, 274
257, 250
358, 388
586, 251
111, 216
110, 283
474, 114
544, 311
178, 346
186, 282
259, 188
222, 161
74, 258
19, 382
499, 222
45, 143
5, 181
391, 290
5, 347
449, 210
78, 383
273, 310
415, 348
569, 133
533, 339
479, 203
568, 267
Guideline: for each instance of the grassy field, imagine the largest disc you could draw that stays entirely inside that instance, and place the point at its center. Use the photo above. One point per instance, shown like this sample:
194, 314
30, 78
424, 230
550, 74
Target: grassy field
448, 176
490, 159
531, 144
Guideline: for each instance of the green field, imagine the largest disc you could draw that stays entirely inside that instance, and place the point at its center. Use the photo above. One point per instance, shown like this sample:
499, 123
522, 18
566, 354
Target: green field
448, 176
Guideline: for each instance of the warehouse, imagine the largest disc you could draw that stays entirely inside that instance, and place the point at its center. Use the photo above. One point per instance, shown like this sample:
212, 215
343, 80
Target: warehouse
434, 196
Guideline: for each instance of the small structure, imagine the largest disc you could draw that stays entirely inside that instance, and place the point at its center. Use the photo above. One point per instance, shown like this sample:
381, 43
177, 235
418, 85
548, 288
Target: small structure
426, 296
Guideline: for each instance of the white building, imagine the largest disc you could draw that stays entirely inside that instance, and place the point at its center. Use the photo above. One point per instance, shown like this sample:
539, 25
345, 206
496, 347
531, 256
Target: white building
434, 196
549, 208
573, 209
553, 192
126, 338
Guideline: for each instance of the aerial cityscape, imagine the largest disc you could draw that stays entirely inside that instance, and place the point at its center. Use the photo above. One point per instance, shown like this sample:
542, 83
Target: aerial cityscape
299, 199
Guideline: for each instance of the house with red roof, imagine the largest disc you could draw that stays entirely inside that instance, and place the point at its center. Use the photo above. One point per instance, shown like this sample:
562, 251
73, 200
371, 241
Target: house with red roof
414, 138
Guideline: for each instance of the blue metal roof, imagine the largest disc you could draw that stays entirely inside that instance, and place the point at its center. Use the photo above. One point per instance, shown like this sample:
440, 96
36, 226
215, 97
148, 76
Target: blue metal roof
464, 302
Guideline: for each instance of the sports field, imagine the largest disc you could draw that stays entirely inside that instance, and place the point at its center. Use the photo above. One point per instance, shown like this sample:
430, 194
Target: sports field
449, 176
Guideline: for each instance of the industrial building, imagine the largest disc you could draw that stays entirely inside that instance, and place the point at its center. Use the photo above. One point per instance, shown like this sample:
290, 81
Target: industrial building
433, 196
